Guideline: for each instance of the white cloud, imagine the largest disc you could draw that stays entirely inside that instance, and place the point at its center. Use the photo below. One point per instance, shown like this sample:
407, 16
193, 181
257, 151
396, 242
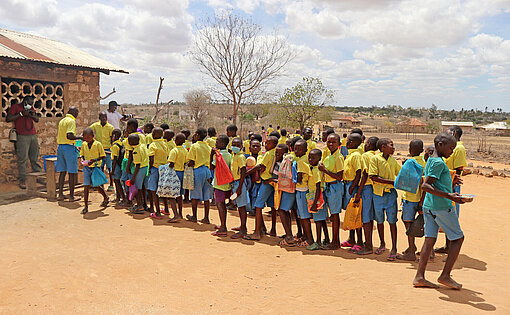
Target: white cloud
29, 13
302, 17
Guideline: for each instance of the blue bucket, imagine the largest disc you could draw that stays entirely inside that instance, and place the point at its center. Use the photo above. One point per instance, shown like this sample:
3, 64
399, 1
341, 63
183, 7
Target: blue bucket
46, 157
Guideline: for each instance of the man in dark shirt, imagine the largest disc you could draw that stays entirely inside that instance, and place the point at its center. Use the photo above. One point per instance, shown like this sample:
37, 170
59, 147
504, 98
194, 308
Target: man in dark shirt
27, 147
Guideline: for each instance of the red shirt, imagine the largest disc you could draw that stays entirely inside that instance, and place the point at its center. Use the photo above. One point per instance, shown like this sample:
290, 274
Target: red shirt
24, 125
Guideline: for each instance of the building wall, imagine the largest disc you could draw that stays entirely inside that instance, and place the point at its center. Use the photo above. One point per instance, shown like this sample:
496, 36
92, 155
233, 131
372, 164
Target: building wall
81, 89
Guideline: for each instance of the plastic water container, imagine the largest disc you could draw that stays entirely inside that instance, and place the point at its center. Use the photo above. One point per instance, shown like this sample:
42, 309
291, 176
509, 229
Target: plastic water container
46, 157
78, 143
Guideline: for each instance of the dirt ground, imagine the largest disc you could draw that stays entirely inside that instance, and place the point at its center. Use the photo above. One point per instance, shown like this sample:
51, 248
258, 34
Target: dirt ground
57, 261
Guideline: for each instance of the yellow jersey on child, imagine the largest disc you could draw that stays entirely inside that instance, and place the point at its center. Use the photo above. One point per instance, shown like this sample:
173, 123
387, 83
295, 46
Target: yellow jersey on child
310, 145
66, 125
170, 145
116, 145
283, 139
325, 153
148, 139
159, 150
246, 146
211, 141
141, 155
365, 162
227, 157
178, 157
268, 161
343, 142
199, 152
315, 178
458, 157
103, 134
384, 168
333, 163
417, 196
304, 168
94, 152
128, 147
238, 162
352, 164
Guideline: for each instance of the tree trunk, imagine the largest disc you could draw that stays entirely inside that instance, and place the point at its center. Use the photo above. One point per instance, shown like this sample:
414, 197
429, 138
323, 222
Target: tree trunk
234, 113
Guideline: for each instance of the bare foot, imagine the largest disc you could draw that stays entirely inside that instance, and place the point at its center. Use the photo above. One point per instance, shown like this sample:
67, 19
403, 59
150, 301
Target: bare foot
74, 198
420, 282
272, 233
205, 221
365, 251
191, 218
449, 282
331, 246
408, 256
253, 237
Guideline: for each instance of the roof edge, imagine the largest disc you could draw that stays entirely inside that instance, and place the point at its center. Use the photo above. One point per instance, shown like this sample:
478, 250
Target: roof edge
103, 70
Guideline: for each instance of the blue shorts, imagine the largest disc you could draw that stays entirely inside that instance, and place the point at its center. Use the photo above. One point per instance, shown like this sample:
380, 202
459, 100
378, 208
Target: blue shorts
152, 183
265, 196
107, 160
457, 205
302, 205
334, 196
180, 174
67, 159
386, 203
287, 201
447, 220
254, 191
141, 179
344, 151
117, 173
203, 190
87, 175
321, 215
347, 196
409, 210
367, 204
242, 199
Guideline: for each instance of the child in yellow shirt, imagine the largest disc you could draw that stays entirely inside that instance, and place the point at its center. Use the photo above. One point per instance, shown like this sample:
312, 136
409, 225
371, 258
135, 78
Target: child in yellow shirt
211, 139
140, 155
239, 189
147, 131
168, 136
176, 160
221, 192
158, 155
304, 181
117, 165
319, 214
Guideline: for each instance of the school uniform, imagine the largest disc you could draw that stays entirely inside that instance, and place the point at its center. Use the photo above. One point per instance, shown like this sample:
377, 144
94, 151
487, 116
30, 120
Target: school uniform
367, 193
438, 212
141, 158
187, 145
67, 153
170, 145
115, 152
159, 150
266, 191
178, 157
325, 153
94, 152
334, 189
103, 134
310, 145
343, 147
302, 188
200, 153
148, 139
238, 162
410, 201
127, 149
352, 164
246, 148
283, 139
254, 189
211, 141
385, 195
222, 192
456, 160
316, 177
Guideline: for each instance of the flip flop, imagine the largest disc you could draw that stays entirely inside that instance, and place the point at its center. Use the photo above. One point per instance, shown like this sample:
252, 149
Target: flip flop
314, 246
379, 251
166, 212
135, 210
284, 242
392, 257
250, 238
219, 234
304, 244
237, 236
346, 244
355, 248
105, 203
237, 228
155, 216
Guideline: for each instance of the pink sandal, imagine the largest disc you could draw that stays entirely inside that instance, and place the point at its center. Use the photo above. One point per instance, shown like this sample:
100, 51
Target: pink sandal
155, 216
355, 248
346, 244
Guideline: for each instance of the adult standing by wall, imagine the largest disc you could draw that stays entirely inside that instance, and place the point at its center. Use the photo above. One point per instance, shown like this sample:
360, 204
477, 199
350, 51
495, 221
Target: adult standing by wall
114, 117
27, 146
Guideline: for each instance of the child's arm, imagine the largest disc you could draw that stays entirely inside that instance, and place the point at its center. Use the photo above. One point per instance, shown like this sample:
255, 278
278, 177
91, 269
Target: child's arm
381, 180
355, 182
130, 160
313, 208
114, 164
364, 178
241, 181
151, 161
299, 177
171, 164
257, 167
427, 187
338, 176
211, 158
137, 168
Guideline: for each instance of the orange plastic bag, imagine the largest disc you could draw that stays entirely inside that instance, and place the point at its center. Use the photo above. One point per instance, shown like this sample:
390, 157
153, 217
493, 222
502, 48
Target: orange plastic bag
222, 171
352, 218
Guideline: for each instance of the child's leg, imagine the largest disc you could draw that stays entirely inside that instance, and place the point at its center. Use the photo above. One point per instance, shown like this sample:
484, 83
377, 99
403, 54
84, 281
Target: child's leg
318, 231
207, 205
419, 279
299, 233
165, 204
194, 206
86, 199
61, 180
179, 203
273, 222
177, 215
307, 230
243, 217
335, 226
380, 231
286, 222
326, 232
73, 178
103, 193
359, 234
154, 198
119, 190
453, 253
222, 211
151, 201
352, 238
139, 199
393, 231
367, 228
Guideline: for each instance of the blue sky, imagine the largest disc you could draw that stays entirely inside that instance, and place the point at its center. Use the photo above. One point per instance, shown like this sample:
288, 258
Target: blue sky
453, 53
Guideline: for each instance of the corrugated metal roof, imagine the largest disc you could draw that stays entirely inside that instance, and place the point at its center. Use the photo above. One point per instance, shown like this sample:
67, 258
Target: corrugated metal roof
30, 47
457, 123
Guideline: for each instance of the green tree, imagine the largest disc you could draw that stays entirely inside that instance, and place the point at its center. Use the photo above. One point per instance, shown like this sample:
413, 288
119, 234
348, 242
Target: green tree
302, 105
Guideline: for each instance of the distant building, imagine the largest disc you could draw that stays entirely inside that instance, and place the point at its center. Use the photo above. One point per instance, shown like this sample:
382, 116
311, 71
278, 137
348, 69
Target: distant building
345, 122
467, 126
412, 125
500, 128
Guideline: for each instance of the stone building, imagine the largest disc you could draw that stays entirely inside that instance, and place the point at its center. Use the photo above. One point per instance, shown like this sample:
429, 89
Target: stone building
411, 125
58, 76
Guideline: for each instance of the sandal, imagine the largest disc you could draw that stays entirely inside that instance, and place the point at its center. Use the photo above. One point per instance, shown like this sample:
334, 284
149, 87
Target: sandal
284, 242
392, 257
134, 210
219, 234
314, 246
156, 216
105, 203
304, 244
346, 244
379, 251
237, 236
355, 248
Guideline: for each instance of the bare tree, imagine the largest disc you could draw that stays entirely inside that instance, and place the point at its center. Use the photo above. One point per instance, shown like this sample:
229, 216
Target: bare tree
197, 102
107, 95
232, 51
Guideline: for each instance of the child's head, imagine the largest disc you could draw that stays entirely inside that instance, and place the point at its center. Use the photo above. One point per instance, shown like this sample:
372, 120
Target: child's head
200, 134
270, 126
73, 110
157, 133
237, 145
307, 133
314, 157
186, 133
168, 134
275, 134
428, 152
371, 144
344, 135
250, 134
354, 140
288, 142
281, 150
211, 131
283, 132
385, 145
293, 142
271, 143
333, 142
164, 126
358, 131
300, 148
116, 133
222, 142
88, 135
231, 131
125, 133
180, 138
255, 146
256, 136
147, 128
132, 125
456, 131
415, 147
326, 133
444, 144
103, 118
133, 140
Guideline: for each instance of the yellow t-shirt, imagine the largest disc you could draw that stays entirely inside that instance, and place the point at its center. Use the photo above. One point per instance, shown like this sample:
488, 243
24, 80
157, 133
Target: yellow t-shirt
128, 147
365, 159
384, 168
103, 134
170, 145
410, 196
115, 148
141, 155
211, 141
343, 142
282, 139
66, 125
148, 139
303, 167
458, 157
94, 152
310, 145
238, 162
361, 148
178, 157
315, 178
269, 130
159, 150
268, 162
246, 146
187, 145
199, 152
352, 164
333, 163
325, 153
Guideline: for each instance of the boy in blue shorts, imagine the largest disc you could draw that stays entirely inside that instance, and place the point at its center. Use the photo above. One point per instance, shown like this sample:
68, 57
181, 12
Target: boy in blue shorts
198, 158
221, 192
366, 194
383, 170
288, 202
238, 168
412, 203
333, 169
319, 215
116, 151
176, 160
103, 133
140, 155
438, 212
158, 155
93, 152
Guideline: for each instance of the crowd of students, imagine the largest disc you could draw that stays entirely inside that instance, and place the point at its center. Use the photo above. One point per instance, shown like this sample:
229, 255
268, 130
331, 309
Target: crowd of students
351, 169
